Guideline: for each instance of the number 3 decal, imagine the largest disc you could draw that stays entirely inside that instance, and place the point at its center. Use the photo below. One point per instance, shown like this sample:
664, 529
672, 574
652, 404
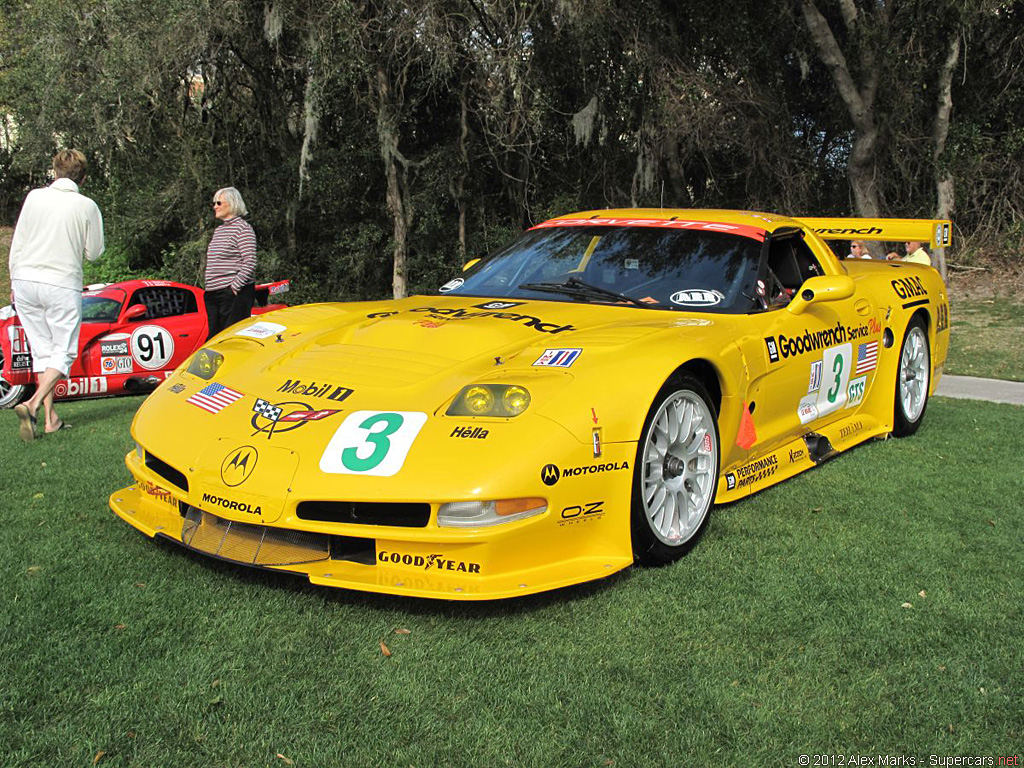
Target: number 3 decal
372, 443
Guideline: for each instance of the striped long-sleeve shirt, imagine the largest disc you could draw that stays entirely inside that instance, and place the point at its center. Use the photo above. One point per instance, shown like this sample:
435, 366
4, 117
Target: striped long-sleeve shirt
231, 256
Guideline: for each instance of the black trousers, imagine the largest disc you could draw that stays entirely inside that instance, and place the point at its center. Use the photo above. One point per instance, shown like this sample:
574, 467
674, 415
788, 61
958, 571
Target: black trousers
224, 308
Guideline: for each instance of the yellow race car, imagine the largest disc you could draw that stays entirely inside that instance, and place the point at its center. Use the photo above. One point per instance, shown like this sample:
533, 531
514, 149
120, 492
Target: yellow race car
573, 404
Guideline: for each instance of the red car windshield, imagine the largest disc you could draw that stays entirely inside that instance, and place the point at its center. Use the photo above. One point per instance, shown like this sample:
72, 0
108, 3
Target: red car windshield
102, 308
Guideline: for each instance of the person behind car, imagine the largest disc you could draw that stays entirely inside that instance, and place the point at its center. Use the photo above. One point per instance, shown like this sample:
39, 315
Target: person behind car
915, 253
858, 250
230, 263
57, 227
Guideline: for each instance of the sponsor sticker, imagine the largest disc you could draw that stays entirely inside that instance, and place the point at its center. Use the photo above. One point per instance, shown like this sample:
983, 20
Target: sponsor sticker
697, 297
315, 389
550, 473
867, 357
499, 304
80, 387
115, 345
214, 397
373, 443
855, 392
152, 346
558, 358
773, 349
427, 562
451, 285
238, 465
474, 433
577, 514
815, 383
262, 330
807, 410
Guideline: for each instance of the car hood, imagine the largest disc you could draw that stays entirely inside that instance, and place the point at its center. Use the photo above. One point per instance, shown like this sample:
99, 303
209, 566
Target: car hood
397, 343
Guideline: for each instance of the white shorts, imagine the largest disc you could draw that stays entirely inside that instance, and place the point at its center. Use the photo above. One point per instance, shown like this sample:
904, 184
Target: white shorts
52, 318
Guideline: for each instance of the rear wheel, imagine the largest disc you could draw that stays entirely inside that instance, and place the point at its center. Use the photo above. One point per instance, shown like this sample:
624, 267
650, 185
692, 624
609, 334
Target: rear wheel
676, 472
912, 380
10, 394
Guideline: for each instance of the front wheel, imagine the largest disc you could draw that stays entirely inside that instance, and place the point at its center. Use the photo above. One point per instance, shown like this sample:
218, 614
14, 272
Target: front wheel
676, 472
912, 380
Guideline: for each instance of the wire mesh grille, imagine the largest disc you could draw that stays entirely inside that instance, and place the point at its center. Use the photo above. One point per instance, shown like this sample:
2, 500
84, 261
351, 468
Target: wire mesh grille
251, 544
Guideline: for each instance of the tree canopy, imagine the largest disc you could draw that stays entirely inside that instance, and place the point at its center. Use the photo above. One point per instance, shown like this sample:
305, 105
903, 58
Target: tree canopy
381, 143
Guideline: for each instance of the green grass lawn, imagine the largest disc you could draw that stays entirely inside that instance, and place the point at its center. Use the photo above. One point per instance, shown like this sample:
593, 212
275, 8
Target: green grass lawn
985, 338
871, 606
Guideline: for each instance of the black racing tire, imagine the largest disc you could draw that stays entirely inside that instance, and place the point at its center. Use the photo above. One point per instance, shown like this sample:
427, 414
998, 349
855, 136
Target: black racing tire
913, 377
11, 394
675, 475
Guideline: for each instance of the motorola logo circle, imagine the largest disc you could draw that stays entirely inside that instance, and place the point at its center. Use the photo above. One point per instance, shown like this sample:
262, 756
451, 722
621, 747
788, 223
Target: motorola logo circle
549, 474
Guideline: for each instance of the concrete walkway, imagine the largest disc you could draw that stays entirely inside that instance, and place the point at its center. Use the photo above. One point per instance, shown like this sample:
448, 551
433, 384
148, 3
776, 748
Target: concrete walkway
970, 388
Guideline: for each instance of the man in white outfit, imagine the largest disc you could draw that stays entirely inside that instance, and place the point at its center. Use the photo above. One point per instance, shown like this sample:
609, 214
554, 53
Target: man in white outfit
56, 229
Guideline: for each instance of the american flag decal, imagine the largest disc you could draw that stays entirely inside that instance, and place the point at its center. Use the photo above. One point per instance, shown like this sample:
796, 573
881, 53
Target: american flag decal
214, 397
867, 356
558, 358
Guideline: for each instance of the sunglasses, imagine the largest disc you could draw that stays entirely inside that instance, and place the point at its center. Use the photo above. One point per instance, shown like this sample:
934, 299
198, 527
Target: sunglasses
217, 203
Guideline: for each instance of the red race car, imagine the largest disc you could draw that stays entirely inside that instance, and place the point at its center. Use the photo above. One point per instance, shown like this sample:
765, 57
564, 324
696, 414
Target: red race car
134, 334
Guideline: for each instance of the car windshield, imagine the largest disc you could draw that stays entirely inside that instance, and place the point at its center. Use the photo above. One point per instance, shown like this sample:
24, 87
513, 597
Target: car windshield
660, 268
100, 309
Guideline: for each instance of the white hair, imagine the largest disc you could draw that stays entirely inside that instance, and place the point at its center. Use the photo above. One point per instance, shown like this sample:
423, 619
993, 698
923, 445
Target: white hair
233, 199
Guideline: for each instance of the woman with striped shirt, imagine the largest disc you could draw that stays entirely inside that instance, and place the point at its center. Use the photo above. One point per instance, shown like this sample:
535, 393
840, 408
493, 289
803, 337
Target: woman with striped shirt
230, 263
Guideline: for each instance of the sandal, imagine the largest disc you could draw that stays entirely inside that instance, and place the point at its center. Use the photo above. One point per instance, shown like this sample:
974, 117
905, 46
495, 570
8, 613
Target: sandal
63, 425
27, 423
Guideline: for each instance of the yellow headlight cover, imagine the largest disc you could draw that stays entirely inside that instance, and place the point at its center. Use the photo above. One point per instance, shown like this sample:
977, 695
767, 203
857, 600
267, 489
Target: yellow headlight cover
205, 364
498, 400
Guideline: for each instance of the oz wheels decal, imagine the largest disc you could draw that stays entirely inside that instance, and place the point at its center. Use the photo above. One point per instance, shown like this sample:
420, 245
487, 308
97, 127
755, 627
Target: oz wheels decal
372, 443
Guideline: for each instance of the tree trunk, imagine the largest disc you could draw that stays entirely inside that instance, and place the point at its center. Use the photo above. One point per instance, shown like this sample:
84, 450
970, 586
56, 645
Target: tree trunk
395, 173
859, 99
944, 188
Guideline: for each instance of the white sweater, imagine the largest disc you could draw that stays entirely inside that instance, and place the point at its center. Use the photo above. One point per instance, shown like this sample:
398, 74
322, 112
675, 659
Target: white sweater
56, 229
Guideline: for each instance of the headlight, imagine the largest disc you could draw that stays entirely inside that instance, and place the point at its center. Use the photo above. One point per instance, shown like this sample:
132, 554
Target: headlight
505, 400
473, 514
205, 363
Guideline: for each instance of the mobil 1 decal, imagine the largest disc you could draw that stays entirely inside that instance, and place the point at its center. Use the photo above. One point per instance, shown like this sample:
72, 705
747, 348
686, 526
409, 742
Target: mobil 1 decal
152, 347
832, 380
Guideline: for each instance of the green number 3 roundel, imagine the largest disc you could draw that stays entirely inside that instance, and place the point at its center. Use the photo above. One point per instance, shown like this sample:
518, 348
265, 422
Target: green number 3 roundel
372, 443
378, 439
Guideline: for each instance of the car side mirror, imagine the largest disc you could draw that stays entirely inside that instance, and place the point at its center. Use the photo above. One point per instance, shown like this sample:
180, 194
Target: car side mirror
819, 289
469, 264
135, 311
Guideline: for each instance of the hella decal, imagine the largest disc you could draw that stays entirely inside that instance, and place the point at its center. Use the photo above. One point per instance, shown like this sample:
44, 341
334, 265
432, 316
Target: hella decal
475, 433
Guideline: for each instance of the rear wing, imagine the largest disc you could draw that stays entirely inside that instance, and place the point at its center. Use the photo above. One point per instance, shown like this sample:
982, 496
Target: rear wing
935, 232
